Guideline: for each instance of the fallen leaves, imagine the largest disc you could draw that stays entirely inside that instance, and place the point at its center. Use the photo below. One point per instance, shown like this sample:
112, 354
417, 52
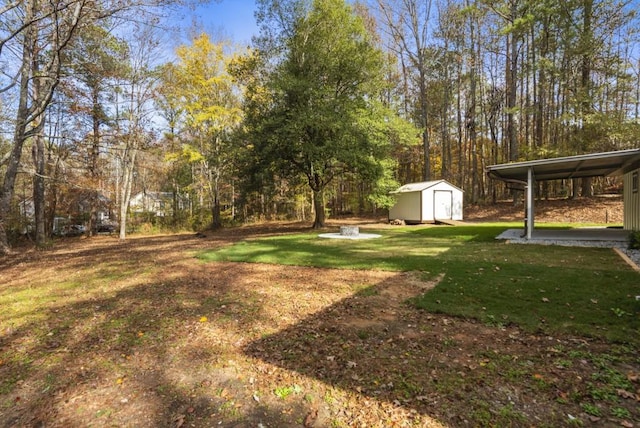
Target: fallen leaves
179, 421
311, 418
626, 394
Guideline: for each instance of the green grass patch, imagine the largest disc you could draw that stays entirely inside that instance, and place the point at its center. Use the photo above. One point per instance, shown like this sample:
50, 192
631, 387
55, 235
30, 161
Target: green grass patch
22, 305
583, 291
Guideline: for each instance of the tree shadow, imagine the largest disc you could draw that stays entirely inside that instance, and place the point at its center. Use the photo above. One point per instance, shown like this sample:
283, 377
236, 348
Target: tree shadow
373, 344
150, 353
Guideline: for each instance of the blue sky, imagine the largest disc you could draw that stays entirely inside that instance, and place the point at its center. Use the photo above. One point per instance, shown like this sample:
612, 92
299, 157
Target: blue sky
231, 18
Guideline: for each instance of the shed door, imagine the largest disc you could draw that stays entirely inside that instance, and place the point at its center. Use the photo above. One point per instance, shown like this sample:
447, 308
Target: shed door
442, 204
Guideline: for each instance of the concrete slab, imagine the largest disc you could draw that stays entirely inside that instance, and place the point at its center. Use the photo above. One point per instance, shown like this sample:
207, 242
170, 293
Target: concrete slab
579, 237
352, 237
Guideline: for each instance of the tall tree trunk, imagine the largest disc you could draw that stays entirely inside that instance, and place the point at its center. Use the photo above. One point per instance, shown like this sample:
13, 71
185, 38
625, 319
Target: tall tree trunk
511, 79
128, 166
585, 80
38, 154
446, 147
637, 90
39, 201
94, 169
318, 206
20, 132
426, 145
471, 115
216, 222
460, 140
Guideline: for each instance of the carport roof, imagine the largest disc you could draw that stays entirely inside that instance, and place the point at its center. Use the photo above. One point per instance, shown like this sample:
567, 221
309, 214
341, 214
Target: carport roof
591, 165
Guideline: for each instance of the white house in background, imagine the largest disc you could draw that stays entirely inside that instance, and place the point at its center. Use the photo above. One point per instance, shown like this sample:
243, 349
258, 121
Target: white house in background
158, 203
427, 202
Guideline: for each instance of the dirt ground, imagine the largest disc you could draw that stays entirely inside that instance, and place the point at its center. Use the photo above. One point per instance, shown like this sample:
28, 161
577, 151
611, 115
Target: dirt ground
600, 209
160, 339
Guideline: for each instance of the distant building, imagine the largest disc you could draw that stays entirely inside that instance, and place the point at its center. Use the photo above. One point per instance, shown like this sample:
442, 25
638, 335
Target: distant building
73, 212
158, 203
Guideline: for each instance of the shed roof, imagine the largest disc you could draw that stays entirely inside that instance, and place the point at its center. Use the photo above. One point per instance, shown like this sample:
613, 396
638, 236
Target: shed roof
423, 185
590, 165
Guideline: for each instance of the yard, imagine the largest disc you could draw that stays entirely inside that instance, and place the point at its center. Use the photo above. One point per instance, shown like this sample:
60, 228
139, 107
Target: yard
271, 326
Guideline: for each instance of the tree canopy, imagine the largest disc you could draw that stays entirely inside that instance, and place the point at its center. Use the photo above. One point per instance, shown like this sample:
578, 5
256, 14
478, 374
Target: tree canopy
199, 86
325, 115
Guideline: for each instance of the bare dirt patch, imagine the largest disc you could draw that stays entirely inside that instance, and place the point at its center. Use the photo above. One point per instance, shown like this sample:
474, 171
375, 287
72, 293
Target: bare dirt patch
599, 209
101, 333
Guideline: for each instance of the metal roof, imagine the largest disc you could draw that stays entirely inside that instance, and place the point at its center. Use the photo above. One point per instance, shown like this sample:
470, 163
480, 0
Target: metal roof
591, 165
423, 185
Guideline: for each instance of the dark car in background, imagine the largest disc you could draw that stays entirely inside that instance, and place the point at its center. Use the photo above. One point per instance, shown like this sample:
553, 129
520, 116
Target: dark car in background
105, 228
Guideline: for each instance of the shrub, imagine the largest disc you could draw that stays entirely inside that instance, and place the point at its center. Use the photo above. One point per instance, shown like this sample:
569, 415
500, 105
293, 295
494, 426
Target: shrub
146, 228
634, 240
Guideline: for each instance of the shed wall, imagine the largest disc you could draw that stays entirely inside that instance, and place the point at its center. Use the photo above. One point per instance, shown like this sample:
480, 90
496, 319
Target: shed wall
407, 207
632, 200
442, 204
457, 208
429, 199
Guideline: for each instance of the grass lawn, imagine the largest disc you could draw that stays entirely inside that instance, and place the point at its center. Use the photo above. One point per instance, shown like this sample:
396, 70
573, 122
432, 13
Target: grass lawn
578, 291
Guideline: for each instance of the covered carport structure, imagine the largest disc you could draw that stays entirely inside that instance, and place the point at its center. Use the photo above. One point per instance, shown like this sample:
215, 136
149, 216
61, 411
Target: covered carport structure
581, 166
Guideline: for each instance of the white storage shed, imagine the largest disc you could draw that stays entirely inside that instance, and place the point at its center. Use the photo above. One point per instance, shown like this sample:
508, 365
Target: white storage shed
427, 202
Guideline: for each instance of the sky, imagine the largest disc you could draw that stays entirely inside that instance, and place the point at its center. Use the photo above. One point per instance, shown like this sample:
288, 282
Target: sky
231, 18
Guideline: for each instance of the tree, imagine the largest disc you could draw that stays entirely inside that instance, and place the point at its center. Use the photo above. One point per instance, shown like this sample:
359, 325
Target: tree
33, 37
323, 117
95, 59
407, 22
205, 94
134, 115
40, 33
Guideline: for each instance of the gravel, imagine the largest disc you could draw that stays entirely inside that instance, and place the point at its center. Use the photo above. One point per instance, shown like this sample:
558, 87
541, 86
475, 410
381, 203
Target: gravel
634, 255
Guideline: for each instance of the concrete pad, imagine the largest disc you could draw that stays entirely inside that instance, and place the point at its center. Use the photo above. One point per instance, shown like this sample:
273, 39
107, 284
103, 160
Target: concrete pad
352, 237
579, 237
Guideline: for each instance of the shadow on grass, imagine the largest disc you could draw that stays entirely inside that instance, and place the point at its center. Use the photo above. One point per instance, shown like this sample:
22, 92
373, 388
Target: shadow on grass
443, 369
541, 288
149, 353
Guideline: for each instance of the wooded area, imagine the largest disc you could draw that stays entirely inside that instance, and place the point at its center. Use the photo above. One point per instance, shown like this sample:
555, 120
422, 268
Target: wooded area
335, 104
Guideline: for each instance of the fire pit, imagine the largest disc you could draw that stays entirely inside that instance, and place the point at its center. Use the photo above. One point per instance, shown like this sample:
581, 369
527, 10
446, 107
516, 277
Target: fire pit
349, 232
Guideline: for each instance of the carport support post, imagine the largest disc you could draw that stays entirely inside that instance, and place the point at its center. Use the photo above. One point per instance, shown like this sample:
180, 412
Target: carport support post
529, 203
